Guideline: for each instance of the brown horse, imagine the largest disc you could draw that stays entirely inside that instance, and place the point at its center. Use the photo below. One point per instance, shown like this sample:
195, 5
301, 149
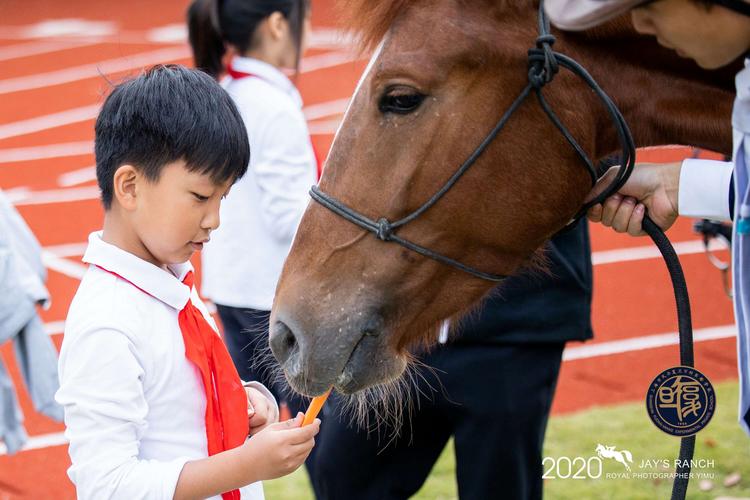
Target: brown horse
348, 306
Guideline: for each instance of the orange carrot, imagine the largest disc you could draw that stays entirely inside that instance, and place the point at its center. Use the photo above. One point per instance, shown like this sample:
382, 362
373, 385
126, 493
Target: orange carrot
315, 406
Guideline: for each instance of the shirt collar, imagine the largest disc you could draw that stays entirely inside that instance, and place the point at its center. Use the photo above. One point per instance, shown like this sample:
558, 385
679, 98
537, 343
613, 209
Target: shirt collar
157, 282
269, 73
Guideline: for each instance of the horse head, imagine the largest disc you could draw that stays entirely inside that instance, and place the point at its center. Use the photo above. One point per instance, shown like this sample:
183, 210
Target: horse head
349, 307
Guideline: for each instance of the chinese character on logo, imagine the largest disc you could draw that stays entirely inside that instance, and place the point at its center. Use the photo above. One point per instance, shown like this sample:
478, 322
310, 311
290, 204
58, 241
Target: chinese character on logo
683, 396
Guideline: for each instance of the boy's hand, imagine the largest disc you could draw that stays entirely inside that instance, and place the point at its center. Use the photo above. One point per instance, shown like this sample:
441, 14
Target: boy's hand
260, 411
280, 448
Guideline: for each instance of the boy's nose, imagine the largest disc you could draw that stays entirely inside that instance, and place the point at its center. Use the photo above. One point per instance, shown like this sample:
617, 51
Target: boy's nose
211, 220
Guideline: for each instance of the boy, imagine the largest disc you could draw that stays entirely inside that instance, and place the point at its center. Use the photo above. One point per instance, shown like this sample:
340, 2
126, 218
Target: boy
714, 33
154, 407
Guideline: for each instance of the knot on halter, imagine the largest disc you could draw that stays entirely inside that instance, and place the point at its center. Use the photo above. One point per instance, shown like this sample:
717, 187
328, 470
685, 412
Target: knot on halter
543, 65
385, 230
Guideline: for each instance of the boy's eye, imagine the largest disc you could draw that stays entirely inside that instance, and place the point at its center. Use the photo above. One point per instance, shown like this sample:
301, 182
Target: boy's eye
200, 197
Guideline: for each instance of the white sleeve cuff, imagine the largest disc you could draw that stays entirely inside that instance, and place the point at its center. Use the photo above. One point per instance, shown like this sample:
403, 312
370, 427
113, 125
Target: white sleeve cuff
263, 390
704, 189
170, 475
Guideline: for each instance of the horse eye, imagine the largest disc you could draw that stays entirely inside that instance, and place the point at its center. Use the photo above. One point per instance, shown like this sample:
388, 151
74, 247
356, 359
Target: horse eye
400, 102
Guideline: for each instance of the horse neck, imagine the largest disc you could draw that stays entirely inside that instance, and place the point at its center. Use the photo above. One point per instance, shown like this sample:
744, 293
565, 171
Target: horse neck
664, 99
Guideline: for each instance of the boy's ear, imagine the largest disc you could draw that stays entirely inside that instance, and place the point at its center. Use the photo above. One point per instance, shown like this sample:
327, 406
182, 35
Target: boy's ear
276, 23
125, 185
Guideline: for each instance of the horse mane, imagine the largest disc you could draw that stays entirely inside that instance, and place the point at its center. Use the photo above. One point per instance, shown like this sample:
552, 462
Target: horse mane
370, 20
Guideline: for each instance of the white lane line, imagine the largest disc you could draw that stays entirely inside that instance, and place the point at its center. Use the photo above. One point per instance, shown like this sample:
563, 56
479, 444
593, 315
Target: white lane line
67, 249
645, 342
40, 441
651, 252
60, 150
23, 196
63, 266
327, 60
325, 109
54, 327
93, 70
24, 127
323, 38
170, 33
76, 177
40, 47
66, 27
326, 127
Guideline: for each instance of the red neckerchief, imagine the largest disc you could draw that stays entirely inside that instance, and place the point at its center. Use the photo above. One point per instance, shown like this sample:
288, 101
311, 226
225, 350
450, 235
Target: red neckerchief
240, 74
226, 400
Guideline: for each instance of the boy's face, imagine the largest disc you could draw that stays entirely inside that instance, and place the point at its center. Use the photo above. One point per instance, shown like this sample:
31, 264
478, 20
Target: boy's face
174, 216
713, 37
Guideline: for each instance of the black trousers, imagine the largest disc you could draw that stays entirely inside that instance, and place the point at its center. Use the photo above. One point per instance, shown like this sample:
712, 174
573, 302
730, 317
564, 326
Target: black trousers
494, 399
246, 338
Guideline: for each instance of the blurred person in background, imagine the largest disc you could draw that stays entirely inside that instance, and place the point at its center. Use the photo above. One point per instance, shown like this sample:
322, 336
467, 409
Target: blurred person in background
22, 278
250, 43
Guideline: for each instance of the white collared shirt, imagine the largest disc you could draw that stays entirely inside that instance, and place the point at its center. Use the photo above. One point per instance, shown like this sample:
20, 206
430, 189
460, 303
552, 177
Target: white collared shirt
242, 262
134, 405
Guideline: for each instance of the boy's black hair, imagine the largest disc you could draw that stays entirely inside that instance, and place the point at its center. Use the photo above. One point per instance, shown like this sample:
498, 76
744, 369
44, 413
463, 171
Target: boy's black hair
167, 114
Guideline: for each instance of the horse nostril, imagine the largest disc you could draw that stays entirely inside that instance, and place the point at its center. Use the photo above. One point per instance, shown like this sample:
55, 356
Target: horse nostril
282, 341
372, 327
370, 332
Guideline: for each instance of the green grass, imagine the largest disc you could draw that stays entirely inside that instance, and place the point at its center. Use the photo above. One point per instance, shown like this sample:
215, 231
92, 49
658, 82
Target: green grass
623, 426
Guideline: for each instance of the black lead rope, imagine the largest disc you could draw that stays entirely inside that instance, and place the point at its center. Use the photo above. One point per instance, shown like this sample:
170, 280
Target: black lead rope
544, 64
685, 326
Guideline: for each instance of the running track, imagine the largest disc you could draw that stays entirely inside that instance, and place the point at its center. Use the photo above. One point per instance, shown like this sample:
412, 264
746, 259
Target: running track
51, 57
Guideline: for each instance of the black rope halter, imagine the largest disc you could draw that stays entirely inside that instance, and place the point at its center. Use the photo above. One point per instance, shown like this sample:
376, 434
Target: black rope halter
544, 64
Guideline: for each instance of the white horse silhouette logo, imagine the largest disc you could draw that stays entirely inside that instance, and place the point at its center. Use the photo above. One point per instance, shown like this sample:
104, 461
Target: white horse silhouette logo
622, 456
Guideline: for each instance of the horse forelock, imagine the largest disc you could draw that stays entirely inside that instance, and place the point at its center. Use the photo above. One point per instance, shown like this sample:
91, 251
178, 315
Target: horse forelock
370, 20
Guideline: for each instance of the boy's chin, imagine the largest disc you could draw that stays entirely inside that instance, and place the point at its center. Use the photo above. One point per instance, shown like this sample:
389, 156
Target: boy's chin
179, 257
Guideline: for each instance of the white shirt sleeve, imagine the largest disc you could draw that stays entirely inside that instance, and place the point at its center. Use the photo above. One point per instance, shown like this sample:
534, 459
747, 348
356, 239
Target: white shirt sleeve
102, 393
704, 189
284, 170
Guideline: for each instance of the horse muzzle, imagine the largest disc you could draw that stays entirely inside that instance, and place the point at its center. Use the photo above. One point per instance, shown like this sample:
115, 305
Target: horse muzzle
351, 352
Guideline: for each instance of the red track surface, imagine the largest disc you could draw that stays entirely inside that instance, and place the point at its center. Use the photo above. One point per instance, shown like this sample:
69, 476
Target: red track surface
632, 298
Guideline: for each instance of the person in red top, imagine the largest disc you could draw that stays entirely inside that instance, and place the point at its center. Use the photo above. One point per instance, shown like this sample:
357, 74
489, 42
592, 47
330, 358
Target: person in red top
154, 407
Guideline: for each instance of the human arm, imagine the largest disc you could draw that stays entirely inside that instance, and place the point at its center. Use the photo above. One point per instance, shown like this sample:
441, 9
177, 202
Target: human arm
693, 188
284, 169
102, 393
102, 375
